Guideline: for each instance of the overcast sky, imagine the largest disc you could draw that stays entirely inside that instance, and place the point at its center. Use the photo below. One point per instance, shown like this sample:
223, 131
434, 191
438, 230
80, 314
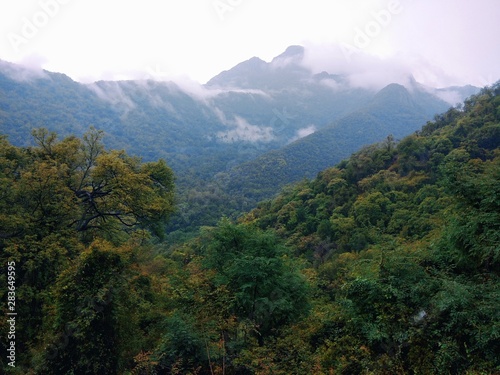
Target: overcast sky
440, 42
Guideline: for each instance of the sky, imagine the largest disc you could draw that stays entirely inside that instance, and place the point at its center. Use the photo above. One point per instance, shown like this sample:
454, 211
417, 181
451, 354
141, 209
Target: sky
439, 42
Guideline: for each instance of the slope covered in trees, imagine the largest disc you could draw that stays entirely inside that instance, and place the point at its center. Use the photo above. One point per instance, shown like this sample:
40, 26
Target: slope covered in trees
398, 248
393, 110
387, 263
69, 211
403, 241
206, 131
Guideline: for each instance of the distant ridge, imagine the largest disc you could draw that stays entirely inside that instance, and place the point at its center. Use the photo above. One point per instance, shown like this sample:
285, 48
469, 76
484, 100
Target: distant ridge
238, 135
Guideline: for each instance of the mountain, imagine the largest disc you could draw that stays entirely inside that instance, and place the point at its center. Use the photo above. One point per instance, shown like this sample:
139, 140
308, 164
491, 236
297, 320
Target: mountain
187, 126
385, 263
255, 105
283, 71
207, 132
31, 99
394, 111
401, 245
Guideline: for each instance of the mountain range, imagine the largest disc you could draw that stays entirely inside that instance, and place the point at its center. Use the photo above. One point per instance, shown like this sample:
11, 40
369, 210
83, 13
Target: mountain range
242, 136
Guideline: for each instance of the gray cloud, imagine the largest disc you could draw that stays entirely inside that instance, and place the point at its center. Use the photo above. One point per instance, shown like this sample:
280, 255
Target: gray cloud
369, 71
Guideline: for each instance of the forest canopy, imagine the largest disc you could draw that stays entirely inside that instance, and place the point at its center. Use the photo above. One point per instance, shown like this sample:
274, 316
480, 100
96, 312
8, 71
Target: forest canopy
387, 263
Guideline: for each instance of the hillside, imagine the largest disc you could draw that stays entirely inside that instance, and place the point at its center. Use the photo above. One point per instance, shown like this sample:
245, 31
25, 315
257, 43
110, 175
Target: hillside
415, 170
402, 243
387, 263
393, 111
268, 114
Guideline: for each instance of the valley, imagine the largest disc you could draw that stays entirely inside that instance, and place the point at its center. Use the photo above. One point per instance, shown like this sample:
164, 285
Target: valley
240, 138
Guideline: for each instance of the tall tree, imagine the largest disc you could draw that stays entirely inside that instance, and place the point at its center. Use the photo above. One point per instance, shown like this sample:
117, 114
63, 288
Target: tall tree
59, 196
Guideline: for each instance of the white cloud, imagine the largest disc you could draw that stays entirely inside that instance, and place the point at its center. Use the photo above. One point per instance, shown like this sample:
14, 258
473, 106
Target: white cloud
27, 72
331, 83
242, 130
304, 132
450, 96
113, 93
91, 40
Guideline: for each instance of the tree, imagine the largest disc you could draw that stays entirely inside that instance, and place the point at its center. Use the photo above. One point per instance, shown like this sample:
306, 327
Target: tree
474, 235
76, 184
253, 265
86, 315
58, 197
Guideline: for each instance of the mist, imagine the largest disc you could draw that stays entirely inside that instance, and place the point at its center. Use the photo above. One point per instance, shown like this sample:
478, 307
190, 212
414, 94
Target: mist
242, 130
27, 72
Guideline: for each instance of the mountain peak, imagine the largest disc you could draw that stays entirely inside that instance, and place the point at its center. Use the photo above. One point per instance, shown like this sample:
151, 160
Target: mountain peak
254, 61
293, 51
257, 74
292, 54
393, 93
241, 75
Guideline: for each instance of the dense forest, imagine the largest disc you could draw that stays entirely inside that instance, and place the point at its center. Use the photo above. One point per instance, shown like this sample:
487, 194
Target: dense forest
395, 110
387, 263
231, 143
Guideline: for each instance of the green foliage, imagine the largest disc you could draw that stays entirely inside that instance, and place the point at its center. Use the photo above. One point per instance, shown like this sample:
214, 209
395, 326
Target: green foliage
180, 350
76, 184
385, 264
404, 241
254, 267
474, 237
85, 324
56, 198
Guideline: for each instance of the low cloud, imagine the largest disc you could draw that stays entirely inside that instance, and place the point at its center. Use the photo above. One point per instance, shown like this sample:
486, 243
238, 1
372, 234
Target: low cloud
112, 92
331, 83
361, 69
203, 93
453, 96
244, 131
304, 132
182, 82
450, 96
29, 70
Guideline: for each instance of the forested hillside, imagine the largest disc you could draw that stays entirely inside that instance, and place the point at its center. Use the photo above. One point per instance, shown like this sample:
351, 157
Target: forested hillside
402, 246
393, 110
256, 112
387, 263
70, 214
